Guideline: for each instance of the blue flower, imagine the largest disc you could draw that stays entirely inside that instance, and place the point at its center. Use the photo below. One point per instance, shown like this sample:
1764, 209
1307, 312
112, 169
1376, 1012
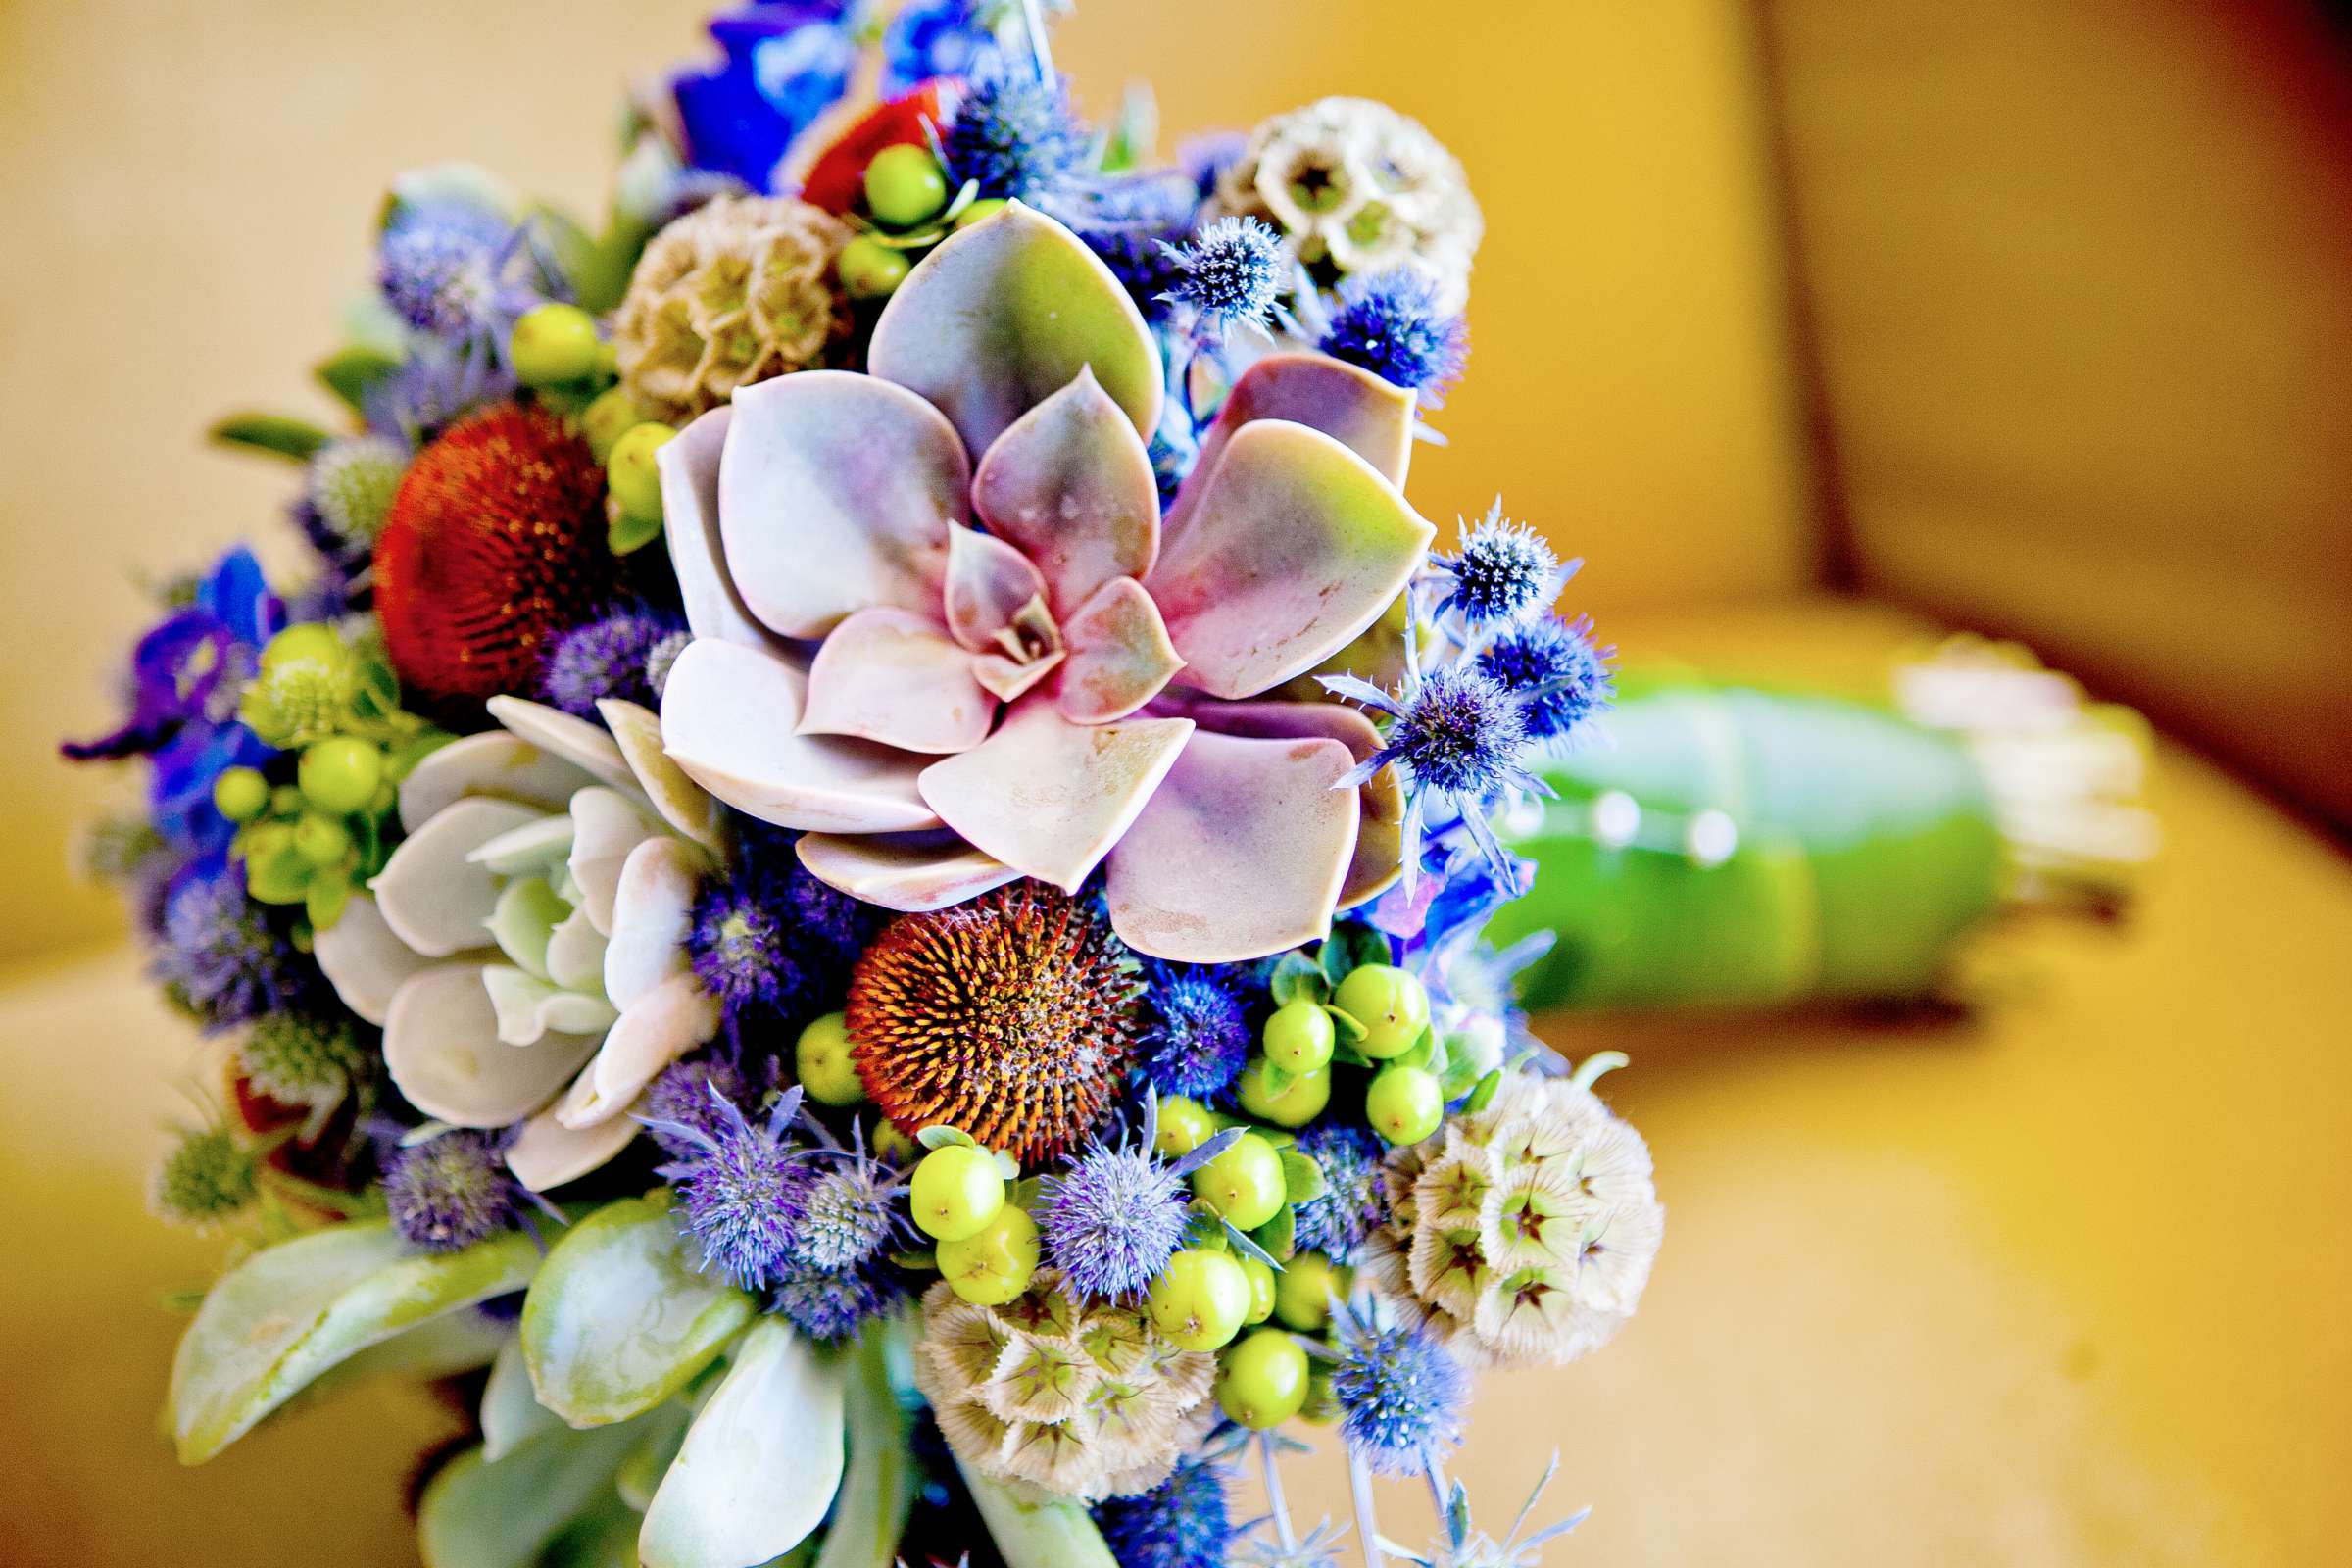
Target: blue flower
1197, 1030
740, 1190
1392, 325
1132, 221
1180, 1523
185, 668
1553, 666
785, 63
931, 38
1011, 135
450, 1192
1352, 1205
848, 1216
610, 657
460, 271
834, 1306
684, 1100
218, 953
1400, 1394
1233, 274
433, 389
1503, 572
769, 941
1112, 1221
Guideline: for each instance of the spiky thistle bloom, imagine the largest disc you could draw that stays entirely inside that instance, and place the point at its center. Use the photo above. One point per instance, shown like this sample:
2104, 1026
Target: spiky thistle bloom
849, 1215
1233, 273
432, 390
351, 483
451, 1191
494, 548
1131, 220
1399, 1390
1352, 1206
1012, 134
219, 956
208, 1176
1503, 572
300, 1059
686, 1094
741, 1190
1393, 324
1560, 676
1112, 1221
742, 948
1180, 1523
609, 656
1197, 1030
1011, 1015
833, 1307
460, 272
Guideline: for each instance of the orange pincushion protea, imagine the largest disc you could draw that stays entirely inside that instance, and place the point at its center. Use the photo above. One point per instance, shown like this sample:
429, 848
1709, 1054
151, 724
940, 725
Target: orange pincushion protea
494, 547
1011, 1016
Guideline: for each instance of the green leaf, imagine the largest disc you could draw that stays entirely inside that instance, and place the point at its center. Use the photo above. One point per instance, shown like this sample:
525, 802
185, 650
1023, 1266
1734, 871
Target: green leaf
287, 1314
348, 373
1295, 976
481, 1513
1483, 1094
941, 1136
511, 1414
629, 533
761, 1463
1420, 1054
1037, 1535
281, 434
1302, 1179
1278, 1237
1355, 945
1345, 1029
878, 1489
619, 1319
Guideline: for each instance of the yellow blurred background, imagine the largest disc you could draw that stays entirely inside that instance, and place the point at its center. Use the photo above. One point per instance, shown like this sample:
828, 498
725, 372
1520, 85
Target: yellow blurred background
1812, 325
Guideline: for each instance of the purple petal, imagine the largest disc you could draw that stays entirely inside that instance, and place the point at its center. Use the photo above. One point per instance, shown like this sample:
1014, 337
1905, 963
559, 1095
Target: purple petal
1071, 485
892, 676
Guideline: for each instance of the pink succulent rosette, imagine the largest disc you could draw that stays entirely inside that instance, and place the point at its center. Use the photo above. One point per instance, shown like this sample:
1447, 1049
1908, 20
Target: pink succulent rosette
951, 673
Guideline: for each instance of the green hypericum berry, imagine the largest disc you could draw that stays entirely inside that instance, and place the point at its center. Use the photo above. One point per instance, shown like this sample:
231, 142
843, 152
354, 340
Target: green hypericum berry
1298, 1102
984, 206
1262, 1292
821, 1058
339, 775
1303, 1296
1199, 1301
1262, 1382
208, 1177
553, 344
1184, 1126
320, 841
1244, 1184
1299, 1037
241, 794
308, 642
613, 415
1405, 1105
903, 185
297, 1059
995, 1263
956, 1192
871, 269
630, 474
1391, 1005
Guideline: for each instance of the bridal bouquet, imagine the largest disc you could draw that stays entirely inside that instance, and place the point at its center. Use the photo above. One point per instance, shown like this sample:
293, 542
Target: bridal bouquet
850, 889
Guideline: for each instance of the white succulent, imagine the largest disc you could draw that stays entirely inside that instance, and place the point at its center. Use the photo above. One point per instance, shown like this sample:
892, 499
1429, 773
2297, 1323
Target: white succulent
524, 948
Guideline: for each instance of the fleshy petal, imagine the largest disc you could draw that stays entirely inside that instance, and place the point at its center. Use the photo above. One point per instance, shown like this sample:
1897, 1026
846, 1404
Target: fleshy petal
836, 492
992, 590
576, 952
529, 1007
547, 1154
903, 870
605, 826
1349, 404
432, 897
683, 804
1296, 544
689, 470
365, 960
1120, 656
533, 846
1242, 853
1009, 678
659, 1028
653, 910
442, 1048
1049, 798
893, 676
728, 718
1071, 486
575, 739
493, 762
1379, 830
528, 911
1001, 315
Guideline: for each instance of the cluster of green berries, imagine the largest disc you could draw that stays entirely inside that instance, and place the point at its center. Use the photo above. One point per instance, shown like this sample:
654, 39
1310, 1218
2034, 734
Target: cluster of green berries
987, 1244
310, 838
1375, 1016
557, 352
908, 209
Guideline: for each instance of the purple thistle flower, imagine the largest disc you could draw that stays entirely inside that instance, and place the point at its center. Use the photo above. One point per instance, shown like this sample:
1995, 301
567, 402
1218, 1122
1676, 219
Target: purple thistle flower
450, 1192
609, 656
1199, 1030
833, 1306
1132, 222
1233, 273
848, 1216
1180, 1523
1011, 135
218, 953
1392, 325
462, 272
434, 391
1352, 1205
1400, 1392
1503, 572
1112, 1221
686, 1094
1555, 670
740, 1190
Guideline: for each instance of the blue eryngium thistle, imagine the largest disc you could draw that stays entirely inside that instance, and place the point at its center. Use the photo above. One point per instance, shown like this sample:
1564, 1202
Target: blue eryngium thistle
744, 950
846, 1216
1400, 1392
1197, 1033
685, 1096
1112, 1221
451, 1191
1502, 573
209, 1176
1552, 665
611, 655
1011, 135
1233, 273
1392, 325
740, 1190
1180, 1523
1352, 1205
833, 1306
217, 953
